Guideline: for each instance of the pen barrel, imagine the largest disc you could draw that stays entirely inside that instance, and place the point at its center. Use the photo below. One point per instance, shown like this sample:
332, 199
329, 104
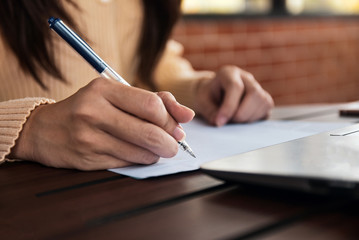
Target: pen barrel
78, 44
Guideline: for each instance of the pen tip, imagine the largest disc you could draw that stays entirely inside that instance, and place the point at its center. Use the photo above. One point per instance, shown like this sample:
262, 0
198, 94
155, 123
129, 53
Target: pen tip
186, 148
192, 154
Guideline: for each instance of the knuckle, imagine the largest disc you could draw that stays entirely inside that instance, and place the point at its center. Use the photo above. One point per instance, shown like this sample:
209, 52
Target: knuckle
249, 75
98, 82
230, 68
97, 85
83, 112
238, 85
228, 71
165, 94
152, 103
82, 139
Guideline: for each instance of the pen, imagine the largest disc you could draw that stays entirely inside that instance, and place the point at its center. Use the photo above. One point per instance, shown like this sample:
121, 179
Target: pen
94, 60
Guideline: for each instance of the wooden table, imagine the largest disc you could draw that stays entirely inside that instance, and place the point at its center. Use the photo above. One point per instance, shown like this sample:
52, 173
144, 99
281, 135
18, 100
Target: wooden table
37, 202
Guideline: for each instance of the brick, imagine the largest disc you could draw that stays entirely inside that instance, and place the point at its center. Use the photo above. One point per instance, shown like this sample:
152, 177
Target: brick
225, 27
195, 28
263, 73
226, 43
297, 61
240, 26
239, 60
226, 58
179, 29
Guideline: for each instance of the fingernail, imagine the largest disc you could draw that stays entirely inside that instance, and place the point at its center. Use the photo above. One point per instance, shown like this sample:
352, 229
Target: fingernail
179, 134
221, 120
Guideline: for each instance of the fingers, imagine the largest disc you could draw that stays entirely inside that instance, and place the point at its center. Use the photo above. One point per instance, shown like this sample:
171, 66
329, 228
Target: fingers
136, 131
233, 95
150, 107
233, 87
123, 152
256, 103
208, 98
253, 107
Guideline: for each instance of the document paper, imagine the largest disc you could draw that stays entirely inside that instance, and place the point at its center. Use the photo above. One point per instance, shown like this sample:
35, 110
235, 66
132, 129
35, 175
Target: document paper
210, 143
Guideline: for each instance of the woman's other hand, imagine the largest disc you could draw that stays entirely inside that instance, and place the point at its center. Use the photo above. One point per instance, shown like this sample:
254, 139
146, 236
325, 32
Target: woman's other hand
233, 95
104, 125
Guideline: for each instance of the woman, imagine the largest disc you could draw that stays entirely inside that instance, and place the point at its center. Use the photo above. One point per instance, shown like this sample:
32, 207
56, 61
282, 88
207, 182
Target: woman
106, 124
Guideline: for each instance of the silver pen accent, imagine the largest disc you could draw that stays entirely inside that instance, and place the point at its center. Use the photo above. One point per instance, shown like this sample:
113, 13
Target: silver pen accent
185, 147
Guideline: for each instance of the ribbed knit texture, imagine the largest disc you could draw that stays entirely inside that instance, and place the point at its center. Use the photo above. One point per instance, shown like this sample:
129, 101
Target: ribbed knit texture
13, 115
113, 29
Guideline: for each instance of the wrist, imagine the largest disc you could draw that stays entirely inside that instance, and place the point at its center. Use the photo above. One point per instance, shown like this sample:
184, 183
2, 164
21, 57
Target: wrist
23, 148
200, 93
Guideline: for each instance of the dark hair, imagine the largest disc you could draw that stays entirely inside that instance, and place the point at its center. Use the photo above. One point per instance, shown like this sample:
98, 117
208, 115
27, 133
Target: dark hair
159, 19
23, 22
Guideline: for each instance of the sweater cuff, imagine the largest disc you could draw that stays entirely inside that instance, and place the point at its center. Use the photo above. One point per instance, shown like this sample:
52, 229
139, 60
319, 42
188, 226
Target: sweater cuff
13, 115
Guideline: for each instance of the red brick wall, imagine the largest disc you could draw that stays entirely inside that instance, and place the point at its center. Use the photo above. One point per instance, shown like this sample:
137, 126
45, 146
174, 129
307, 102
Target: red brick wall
295, 60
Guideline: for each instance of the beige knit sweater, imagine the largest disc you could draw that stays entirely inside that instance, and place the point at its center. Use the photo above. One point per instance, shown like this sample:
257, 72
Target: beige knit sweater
113, 28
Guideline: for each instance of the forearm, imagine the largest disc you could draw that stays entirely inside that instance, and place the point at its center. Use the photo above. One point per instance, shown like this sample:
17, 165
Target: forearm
176, 75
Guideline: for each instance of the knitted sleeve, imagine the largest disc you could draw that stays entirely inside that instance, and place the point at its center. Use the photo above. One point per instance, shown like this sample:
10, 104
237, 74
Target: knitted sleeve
13, 115
176, 75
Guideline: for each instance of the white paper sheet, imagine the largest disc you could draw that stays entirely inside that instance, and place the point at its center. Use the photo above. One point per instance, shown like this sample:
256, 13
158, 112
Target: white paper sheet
211, 143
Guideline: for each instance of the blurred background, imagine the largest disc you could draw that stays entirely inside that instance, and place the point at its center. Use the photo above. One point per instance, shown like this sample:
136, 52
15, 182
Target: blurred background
301, 51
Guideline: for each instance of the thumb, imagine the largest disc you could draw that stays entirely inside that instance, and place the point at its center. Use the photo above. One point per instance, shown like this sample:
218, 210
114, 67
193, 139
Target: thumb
180, 113
208, 99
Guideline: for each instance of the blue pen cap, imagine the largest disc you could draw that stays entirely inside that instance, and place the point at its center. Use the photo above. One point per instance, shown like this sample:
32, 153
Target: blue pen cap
77, 43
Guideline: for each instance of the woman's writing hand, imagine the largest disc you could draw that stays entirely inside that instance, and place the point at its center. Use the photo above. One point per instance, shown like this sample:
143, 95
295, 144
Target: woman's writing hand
233, 95
104, 125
